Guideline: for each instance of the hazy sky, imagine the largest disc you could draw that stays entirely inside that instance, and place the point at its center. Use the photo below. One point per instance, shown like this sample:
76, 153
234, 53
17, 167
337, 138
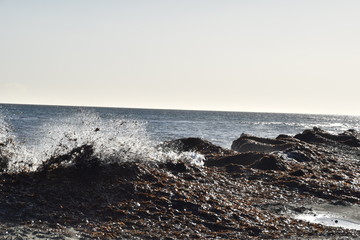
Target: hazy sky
255, 55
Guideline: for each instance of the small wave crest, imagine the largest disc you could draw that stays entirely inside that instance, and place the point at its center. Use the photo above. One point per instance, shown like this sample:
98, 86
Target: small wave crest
111, 141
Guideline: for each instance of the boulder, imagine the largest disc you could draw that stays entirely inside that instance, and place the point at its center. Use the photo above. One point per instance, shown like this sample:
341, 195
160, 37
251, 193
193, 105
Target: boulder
81, 157
317, 135
248, 143
195, 144
243, 159
270, 162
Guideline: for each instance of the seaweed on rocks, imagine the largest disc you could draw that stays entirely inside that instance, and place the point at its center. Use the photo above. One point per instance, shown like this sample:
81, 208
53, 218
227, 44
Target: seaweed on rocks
250, 195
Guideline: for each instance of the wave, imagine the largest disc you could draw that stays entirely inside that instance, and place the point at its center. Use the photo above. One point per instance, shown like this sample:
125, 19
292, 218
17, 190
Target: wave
111, 141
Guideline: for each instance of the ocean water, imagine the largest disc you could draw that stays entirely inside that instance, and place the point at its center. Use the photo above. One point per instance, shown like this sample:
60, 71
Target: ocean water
28, 122
40, 131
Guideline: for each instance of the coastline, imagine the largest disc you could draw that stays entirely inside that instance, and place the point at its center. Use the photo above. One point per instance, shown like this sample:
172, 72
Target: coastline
252, 191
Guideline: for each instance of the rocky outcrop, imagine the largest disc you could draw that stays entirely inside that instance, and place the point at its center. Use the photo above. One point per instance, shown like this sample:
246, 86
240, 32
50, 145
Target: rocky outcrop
254, 160
243, 159
236, 195
256, 144
270, 162
208, 149
317, 135
292, 148
82, 157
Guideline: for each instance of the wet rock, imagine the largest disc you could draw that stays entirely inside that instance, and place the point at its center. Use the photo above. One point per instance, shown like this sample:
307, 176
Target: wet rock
244, 159
251, 143
310, 136
301, 155
177, 167
81, 157
194, 144
126, 170
300, 172
270, 162
248, 143
338, 177
234, 168
259, 139
185, 205
4, 161
217, 227
235, 196
317, 135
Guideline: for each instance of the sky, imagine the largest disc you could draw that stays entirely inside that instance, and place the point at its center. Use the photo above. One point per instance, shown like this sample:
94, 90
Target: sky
229, 55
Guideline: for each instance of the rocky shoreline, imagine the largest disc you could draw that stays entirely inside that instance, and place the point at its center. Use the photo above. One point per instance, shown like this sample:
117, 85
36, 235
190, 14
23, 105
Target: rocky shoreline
253, 191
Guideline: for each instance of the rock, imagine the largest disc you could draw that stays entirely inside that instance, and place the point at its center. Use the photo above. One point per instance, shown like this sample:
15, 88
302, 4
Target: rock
243, 159
310, 136
270, 162
317, 135
338, 177
251, 143
176, 167
4, 161
301, 156
261, 140
300, 172
194, 144
82, 157
234, 168
149, 200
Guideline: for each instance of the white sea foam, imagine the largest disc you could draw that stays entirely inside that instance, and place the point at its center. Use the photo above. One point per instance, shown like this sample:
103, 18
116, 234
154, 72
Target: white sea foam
113, 140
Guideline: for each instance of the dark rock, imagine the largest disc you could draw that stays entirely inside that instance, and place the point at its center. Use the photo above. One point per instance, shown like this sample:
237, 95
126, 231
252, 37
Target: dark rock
301, 156
283, 137
185, 205
251, 143
194, 144
261, 140
126, 170
310, 136
352, 142
177, 167
234, 168
299, 172
4, 161
269, 162
209, 216
150, 200
217, 226
337, 177
82, 157
243, 159
317, 135
254, 231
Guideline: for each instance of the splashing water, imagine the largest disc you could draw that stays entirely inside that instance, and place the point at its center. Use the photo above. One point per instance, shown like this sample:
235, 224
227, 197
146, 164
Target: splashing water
115, 140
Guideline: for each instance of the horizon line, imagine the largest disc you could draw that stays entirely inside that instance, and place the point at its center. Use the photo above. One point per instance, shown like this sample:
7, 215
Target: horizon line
173, 109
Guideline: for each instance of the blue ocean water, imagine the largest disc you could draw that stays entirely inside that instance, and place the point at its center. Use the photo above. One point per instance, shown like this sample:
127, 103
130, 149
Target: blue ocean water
30, 123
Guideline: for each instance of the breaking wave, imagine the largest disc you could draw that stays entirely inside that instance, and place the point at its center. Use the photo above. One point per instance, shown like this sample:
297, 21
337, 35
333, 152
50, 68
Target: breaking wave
111, 140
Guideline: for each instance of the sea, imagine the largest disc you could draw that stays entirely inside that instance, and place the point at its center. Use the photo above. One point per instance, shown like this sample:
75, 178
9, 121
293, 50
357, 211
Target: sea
44, 129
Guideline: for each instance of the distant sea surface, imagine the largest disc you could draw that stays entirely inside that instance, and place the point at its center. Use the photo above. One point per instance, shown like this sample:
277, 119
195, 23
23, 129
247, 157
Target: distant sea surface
29, 123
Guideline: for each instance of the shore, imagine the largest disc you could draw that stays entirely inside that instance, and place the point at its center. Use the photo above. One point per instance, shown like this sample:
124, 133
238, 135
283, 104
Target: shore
256, 190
